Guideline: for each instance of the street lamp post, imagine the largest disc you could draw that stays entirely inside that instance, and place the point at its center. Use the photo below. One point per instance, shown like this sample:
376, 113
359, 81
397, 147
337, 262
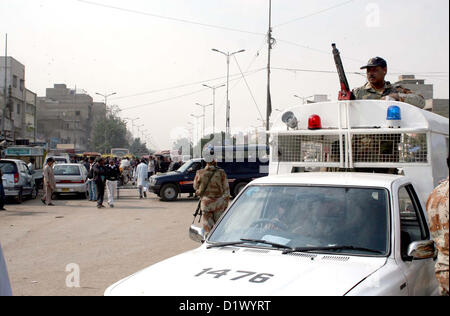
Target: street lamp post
132, 123
303, 98
105, 96
213, 88
196, 122
204, 106
228, 55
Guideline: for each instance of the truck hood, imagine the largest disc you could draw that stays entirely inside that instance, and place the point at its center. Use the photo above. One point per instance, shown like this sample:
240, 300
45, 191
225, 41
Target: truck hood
209, 272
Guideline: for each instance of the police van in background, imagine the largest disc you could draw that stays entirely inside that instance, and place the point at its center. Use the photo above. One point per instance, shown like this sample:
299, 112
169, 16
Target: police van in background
241, 163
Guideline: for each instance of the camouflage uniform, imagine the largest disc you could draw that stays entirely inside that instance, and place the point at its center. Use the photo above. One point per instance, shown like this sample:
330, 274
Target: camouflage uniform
437, 210
216, 197
366, 92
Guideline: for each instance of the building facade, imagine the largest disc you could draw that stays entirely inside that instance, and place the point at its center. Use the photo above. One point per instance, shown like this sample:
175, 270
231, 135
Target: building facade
418, 86
65, 116
18, 105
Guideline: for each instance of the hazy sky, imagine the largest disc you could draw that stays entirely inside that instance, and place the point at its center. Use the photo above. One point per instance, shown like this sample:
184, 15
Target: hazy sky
155, 54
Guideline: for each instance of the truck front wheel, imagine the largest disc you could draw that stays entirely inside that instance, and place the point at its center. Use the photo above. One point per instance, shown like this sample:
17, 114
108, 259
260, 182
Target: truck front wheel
238, 188
169, 192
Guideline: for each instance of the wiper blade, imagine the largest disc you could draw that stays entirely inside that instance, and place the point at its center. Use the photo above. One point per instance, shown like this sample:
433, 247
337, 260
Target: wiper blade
245, 241
273, 244
329, 248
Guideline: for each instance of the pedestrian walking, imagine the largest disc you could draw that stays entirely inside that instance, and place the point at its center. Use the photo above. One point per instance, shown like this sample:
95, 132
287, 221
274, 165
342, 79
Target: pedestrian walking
31, 165
90, 181
2, 193
112, 176
99, 176
151, 167
437, 212
141, 176
49, 182
211, 185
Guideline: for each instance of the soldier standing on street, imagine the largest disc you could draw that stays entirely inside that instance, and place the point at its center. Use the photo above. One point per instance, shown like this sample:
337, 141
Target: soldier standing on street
437, 211
377, 88
213, 182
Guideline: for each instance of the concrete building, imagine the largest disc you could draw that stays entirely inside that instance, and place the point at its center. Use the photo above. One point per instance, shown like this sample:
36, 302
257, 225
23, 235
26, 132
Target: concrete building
418, 86
65, 116
438, 106
17, 114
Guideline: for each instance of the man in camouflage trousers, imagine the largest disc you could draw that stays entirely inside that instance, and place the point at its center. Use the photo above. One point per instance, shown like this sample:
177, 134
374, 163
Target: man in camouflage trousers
377, 88
216, 195
437, 210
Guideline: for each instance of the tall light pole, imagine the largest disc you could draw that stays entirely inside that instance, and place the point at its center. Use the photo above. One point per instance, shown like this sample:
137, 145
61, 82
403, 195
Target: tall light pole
204, 106
139, 129
228, 55
213, 88
196, 122
132, 123
106, 96
303, 98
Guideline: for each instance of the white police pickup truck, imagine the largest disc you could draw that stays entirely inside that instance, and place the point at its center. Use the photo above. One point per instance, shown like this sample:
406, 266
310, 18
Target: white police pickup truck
301, 232
305, 234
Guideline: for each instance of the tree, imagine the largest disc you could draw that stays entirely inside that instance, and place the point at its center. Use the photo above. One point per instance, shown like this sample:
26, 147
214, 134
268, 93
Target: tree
138, 148
110, 132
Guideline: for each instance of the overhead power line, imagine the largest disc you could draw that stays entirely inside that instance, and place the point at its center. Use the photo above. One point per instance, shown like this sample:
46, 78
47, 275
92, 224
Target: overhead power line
314, 13
183, 85
171, 18
248, 87
176, 97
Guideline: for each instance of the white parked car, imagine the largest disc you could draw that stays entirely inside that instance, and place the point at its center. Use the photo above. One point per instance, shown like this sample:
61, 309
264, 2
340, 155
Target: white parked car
305, 234
70, 178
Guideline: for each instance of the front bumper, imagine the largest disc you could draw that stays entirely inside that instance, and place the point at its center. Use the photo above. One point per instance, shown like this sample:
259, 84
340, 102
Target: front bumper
155, 188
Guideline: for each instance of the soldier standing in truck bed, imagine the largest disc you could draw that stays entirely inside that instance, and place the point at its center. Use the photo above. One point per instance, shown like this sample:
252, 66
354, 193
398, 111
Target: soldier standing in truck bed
377, 88
213, 183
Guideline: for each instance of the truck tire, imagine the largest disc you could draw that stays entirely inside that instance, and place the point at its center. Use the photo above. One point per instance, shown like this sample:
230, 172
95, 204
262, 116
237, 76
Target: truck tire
238, 188
169, 192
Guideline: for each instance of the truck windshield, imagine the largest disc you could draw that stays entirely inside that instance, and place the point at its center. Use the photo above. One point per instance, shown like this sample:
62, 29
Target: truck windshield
300, 217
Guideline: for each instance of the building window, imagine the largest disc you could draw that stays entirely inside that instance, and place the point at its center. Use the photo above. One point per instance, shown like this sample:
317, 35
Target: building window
14, 81
18, 108
22, 84
77, 113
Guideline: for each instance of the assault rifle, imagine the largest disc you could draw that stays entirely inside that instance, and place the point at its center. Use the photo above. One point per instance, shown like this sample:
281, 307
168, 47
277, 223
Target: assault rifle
345, 92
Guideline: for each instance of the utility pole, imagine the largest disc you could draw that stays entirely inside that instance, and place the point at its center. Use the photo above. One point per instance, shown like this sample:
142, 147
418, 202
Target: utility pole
5, 90
270, 42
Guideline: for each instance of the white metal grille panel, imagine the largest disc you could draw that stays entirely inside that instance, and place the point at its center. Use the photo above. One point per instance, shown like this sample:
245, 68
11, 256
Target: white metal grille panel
307, 148
389, 148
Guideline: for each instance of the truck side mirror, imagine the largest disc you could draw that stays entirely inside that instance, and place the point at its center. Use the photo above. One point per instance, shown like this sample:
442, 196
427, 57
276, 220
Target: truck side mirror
419, 250
197, 234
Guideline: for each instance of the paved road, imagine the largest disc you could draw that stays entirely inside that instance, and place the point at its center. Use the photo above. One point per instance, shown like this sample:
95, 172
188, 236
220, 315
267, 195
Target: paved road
108, 244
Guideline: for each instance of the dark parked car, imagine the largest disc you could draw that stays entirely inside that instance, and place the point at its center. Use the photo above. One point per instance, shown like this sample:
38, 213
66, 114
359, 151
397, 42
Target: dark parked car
167, 186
